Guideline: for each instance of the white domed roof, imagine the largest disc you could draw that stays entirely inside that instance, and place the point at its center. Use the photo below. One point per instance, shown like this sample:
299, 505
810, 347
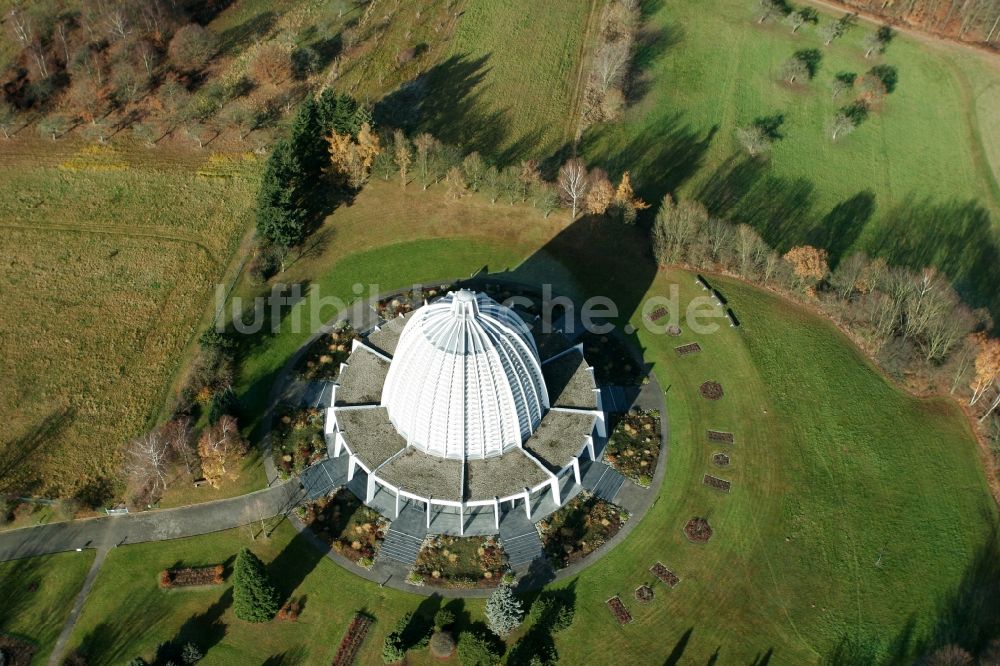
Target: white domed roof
465, 380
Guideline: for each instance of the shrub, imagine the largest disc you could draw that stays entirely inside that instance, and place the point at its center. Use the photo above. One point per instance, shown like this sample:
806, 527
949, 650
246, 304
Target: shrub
138, 661
475, 649
191, 654
443, 618
254, 597
393, 651
442, 644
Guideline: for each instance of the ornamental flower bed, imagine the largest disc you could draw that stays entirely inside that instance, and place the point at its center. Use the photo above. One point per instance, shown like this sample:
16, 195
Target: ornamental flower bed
462, 562
613, 364
18, 651
297, 438
717, 483
644, 594
351, 528
191, 576
664, 574
720, 460
579, 528
698, 530
618, 610
711, 390
719, 436
323, 358
691, 348
350, 644
634, 446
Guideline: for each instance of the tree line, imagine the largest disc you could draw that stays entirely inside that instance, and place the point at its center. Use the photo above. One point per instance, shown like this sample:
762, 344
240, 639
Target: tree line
913, 323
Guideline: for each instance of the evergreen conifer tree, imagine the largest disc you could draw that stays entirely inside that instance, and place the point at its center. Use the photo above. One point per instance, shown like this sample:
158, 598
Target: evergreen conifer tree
254, 598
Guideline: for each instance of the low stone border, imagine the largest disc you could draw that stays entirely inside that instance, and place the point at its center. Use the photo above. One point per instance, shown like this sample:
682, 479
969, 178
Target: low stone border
644, 594
619, 610
690, 348
720, 436
666, 576
720, 459
717, 483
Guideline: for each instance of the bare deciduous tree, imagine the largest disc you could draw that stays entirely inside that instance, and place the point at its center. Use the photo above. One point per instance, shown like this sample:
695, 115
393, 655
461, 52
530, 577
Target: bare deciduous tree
146, 459
573, 184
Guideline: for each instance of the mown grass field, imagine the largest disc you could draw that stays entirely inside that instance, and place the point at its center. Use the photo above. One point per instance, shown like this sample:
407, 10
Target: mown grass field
916, 182
856, 510
38, 594
111, 256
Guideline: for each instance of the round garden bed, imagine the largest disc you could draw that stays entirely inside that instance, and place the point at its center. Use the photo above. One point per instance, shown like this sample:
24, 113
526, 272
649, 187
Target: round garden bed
711, 390
674, 330
698, 530
720, 460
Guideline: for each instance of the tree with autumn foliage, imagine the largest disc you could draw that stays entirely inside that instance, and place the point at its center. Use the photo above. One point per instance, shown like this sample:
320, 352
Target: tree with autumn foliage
352, 158
601, 194
220, 447
626, 204
987, 375
809, 264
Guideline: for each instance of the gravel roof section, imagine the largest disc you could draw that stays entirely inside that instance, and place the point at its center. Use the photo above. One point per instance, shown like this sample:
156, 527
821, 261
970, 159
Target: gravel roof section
387, 337
559, 437
360, 383
500, 476
424, 475
570, 382
369, 434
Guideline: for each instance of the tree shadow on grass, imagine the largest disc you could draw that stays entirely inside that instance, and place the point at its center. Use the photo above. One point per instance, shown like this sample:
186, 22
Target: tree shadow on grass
447, 101
205, 630
296, 561
16, 471
967, 616
956, 237
236, 38
112, 640
842, 226
680, 646
291, 657
660, 160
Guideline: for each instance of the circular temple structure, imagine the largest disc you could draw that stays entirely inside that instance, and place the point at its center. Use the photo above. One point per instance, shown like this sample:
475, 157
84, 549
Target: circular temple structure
463, 408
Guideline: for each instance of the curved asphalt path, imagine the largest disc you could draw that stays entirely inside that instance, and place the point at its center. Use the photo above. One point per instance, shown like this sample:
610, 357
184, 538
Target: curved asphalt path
159, 525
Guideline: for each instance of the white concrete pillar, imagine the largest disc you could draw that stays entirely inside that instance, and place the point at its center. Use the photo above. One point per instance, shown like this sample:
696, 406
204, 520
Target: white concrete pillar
555, 490
590, 447
397, 503
527, 503
428, 513
496, 514
576, 471
352, 463
370, 490
461, 519
338, 444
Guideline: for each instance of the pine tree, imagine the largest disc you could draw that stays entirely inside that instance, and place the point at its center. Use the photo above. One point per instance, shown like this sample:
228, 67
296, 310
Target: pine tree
503, 611
191, 654
254, 598
308, 144
280, 216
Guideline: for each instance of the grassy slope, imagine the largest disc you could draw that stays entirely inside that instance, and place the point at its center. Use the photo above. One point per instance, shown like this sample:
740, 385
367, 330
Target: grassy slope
712, 67
38, 594
114, 299
832, 469
532, 97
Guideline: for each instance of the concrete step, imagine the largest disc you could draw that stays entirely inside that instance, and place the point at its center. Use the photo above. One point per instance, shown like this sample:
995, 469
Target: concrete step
401, 547
609, 485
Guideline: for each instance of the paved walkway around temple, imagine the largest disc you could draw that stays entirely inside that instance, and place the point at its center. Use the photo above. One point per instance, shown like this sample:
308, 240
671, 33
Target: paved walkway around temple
160, 525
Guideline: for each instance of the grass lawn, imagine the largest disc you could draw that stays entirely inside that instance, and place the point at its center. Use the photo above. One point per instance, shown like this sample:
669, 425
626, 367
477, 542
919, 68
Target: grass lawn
917, 182
111, 256
519, 77
856, 510
38, 594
